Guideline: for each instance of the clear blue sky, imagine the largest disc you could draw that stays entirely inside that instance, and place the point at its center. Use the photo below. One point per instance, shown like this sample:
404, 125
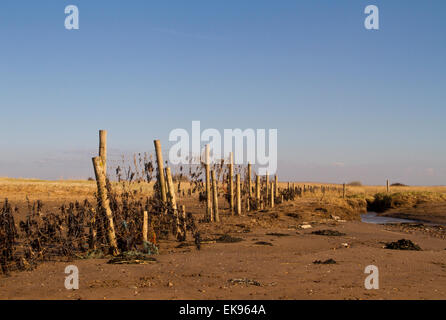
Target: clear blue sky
348, 103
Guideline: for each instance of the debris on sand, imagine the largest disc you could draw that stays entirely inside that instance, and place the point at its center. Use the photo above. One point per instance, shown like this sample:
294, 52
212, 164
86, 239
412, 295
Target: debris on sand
329, 261
226, 238
132, 257
276, 234
184, 245
293, 215
245, 282
264, 243
402, 244
305, 226
331, 233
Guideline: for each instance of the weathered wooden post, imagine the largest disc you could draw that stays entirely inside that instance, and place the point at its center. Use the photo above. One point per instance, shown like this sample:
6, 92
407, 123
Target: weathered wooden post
272, 195
209, 216
231, 182
343, 190
183, 215
145, 226
249, 180
238, 191
161, 179
103, 149
266, 189
276, 185
105, 204
173, 200
258, 191
215, 197
388, 186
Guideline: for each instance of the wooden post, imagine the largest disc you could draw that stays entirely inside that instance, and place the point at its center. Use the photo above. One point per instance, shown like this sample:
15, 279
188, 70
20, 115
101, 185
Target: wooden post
258, 191
238, 191
249, 180
209, 216
272, 195
105, 204
145, 226
215, 197
103, 149
343, 190
231, 182
266, 189
388, 186
173, 200
161, 179
276, 185
183, 215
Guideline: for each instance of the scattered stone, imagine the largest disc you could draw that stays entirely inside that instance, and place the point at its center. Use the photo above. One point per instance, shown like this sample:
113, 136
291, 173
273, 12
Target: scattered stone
402, 244
132, 257
321, 210
264, 243
226, 238
245, 282
329, 261
330, 233
293, 215
305, 226
276, 234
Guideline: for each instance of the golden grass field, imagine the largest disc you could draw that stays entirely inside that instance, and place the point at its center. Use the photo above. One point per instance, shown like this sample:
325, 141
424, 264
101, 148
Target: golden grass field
68, 190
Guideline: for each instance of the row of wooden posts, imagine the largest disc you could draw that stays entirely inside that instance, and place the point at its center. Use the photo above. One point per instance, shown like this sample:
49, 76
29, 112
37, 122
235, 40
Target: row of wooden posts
167, 191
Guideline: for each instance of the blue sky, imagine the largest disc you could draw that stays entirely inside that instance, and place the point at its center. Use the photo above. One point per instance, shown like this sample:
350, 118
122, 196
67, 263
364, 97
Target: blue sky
348, 103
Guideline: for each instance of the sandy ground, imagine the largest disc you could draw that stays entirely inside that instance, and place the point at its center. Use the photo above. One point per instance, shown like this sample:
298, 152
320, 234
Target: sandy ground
280, 268
283, 270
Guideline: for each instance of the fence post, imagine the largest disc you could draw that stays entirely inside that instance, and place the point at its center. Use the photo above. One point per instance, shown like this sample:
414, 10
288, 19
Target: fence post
183, 215
209, 216
231, 182
343, 190
145, 226
161, 179
272, 194
238, 191
258, 191
276, 185
388, 186
105, 204
249, 180
267, 189
215, 197
103, 149
173, 200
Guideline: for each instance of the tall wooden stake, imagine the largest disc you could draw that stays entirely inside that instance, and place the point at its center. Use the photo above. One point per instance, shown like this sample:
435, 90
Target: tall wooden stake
272, 194
388, 186
249, 181
103, 149
343, 190
105, 204
173, 200
258, 191
231, 182
215, 197
238, 191
161, 179
145, 226
276, 185
266, 189
209, 215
